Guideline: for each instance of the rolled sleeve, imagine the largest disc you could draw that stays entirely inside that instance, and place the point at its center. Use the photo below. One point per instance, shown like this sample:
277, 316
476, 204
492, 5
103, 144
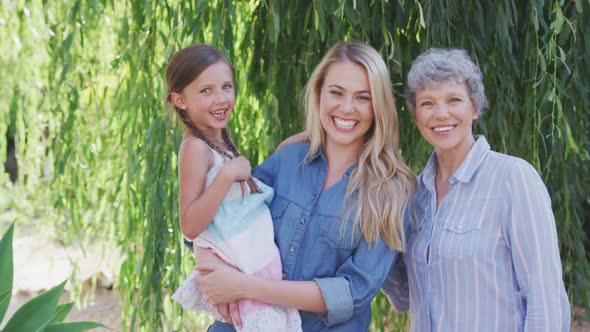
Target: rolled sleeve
338, 299
357, 281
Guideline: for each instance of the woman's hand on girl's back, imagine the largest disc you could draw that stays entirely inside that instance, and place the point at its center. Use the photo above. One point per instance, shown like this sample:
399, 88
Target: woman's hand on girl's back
237, 169
302, 137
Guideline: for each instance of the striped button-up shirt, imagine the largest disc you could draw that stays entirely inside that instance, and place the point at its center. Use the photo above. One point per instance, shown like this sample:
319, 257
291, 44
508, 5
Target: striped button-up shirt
487, 259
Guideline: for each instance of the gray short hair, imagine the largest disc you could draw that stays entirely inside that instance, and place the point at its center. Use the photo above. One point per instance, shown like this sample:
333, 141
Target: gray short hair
438, 65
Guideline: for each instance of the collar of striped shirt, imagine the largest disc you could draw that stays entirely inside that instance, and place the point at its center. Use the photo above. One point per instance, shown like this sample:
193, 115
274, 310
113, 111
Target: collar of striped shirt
472, 161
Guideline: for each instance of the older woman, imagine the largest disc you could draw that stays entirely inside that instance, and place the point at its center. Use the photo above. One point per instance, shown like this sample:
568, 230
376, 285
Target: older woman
482, 249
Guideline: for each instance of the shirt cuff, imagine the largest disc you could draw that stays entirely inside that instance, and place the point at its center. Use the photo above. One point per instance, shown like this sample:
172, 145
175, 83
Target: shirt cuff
338, 299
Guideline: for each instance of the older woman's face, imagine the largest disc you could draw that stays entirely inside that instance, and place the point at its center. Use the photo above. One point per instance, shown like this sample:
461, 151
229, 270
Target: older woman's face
444, 116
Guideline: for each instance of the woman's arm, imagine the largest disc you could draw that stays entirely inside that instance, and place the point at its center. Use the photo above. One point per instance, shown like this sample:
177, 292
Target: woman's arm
197, 205
223, 284
301, 137
230, 312
396, 287
532, 238
352, 287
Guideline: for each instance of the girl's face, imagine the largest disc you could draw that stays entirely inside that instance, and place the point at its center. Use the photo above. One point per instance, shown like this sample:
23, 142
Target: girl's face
346, 110
209, 99
444, 116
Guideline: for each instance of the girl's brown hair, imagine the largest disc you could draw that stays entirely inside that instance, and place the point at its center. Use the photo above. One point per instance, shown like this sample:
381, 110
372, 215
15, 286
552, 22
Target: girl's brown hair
184, 67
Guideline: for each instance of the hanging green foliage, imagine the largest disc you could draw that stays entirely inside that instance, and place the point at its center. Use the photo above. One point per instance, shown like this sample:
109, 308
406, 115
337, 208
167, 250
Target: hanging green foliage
84, 103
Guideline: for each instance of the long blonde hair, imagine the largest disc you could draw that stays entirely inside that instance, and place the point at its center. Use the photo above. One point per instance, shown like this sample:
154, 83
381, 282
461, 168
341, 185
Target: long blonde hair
382, 183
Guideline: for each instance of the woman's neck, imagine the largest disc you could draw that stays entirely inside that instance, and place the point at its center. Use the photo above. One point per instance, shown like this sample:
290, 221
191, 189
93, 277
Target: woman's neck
449, 161
339, 158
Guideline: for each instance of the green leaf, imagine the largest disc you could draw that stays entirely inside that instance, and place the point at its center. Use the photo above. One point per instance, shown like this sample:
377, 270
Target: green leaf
578, 6
37, 313
5, 298
422, 22
72, 327
61, 312
6, 269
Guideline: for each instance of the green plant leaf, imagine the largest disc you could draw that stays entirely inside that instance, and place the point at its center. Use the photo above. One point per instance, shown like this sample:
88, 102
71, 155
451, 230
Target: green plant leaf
61, 312
37, 313
6, 270
72, 327
5, 298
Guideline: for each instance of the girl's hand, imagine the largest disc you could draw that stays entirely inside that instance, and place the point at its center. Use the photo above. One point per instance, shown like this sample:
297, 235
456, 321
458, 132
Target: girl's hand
220, 283
237, 169
302, 137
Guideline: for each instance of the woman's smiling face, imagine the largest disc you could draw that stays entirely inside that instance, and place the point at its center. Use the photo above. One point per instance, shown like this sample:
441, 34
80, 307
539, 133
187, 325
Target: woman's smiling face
445, 115
346, 109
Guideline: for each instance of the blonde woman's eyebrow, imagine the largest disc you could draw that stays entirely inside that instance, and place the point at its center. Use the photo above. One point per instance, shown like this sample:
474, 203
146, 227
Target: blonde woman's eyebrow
341, 88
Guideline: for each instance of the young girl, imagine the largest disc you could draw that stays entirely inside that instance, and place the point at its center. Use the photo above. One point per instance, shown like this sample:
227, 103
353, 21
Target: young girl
339, 200
217, 210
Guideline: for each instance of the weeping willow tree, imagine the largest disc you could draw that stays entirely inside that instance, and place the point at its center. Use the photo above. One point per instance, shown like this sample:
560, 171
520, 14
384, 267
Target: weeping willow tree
83, 95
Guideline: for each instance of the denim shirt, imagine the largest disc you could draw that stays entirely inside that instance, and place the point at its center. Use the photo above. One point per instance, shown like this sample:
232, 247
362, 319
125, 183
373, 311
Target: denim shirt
314, 245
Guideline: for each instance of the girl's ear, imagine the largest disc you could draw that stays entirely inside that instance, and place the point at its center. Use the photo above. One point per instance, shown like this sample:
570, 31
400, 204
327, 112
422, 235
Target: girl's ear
178, 100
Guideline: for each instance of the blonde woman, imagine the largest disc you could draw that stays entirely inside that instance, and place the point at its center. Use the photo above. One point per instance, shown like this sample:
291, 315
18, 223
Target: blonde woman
339, 201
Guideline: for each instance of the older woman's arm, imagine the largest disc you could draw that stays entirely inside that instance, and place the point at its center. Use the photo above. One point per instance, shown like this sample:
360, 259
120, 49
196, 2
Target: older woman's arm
532, 238
395, 286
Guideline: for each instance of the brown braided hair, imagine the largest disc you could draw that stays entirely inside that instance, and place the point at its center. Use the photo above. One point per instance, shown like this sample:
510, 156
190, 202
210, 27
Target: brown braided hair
184, 67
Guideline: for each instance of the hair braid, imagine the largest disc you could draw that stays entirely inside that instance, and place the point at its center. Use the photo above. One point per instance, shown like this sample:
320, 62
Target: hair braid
232, 147
228, 142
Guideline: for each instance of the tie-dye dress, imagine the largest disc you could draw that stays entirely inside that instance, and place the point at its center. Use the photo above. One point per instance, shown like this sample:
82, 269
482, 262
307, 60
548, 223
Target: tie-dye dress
241, 233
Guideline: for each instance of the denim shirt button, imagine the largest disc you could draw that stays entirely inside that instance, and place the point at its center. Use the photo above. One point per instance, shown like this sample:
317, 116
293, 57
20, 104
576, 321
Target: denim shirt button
302, 221
314, 197
292, 249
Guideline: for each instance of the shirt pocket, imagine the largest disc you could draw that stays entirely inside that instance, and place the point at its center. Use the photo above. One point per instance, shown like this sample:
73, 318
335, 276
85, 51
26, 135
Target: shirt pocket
461, 236
277, 210
337, 234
